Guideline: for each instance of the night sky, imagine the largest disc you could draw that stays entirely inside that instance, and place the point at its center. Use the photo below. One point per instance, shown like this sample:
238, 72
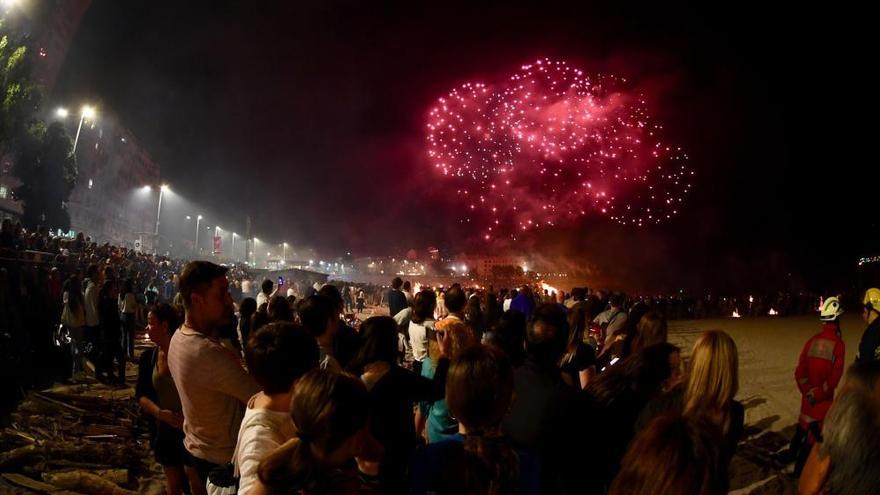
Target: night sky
310, 119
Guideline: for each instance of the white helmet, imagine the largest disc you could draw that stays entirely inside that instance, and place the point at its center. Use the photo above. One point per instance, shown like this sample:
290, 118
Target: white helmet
830, 309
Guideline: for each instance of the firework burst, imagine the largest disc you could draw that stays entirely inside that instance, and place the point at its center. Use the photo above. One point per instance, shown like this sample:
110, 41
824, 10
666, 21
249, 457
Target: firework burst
551, 143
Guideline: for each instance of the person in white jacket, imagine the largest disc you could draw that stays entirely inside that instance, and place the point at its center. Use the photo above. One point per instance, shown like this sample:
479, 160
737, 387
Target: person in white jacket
277, 355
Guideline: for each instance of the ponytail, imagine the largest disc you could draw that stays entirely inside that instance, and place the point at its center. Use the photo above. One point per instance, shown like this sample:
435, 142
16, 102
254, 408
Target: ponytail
291, 464
491, 466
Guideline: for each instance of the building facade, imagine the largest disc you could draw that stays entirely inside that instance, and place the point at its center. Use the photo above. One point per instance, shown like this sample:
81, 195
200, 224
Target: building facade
109, 202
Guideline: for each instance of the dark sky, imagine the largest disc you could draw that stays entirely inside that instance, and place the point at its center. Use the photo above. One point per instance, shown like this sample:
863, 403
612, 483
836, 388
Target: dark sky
308, 117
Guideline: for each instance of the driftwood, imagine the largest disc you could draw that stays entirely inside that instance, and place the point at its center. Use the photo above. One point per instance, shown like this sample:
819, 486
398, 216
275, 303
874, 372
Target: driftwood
85, 438
85, 482
19, 456
117, 476
59, 403
77, 452
31, 484
19, 435
93, 452
63, 463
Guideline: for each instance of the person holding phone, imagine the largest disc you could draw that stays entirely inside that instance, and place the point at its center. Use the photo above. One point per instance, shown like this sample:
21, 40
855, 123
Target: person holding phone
267, 290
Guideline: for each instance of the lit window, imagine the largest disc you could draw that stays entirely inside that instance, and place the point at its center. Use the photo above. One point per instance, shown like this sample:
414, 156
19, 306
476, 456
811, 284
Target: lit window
3, 192
90, 183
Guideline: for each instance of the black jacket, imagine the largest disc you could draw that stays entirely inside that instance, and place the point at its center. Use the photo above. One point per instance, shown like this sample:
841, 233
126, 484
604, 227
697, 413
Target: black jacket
396, 301
869, 346
547, 417
391, 409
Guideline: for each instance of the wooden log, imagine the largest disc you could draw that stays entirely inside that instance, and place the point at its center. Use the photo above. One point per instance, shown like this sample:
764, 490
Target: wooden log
120, 453
85, 482
19, 434
19, 456
59, 403
115, 475
119, 431
30, 484
64, 463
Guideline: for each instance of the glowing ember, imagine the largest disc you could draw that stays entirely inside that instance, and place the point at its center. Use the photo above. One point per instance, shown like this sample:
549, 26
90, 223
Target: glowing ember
550, 143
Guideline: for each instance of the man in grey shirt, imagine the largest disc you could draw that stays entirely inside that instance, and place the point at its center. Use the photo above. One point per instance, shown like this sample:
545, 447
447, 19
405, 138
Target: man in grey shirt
213, 385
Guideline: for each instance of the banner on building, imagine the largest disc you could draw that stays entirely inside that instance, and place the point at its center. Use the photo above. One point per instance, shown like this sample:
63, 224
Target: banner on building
218, 245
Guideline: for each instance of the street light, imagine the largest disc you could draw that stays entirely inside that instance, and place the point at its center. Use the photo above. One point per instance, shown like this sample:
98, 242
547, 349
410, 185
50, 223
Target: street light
196, 245
232, 250
8, 4
62, 113
87, 112
217, 231
162, 189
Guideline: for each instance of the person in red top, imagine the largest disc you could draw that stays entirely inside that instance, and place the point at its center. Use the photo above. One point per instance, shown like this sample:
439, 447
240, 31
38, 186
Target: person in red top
818, 372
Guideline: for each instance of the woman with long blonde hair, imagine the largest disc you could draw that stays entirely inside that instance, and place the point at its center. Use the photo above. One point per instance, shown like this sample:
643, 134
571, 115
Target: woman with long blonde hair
709, 389
714, 380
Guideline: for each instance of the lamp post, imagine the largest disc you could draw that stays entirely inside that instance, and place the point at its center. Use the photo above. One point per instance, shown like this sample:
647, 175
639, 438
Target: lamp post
196, 245
162, 189
87, 112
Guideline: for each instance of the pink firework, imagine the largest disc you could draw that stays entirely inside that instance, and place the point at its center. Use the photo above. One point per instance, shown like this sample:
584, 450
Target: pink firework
549, 144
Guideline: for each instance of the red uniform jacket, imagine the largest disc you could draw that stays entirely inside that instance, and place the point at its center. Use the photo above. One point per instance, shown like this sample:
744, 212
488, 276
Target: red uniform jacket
819, 369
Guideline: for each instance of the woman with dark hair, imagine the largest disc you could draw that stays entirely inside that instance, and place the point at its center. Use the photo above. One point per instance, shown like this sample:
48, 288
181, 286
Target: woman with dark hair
330, 424
674, 455
709, 391
420, 324
473, 315
128, 309
509, 335
158, 398
392, 392
111, 335
279, 309
578, 364
260, 318
616, 397
245, 314
493, 312
651, 329
477, 460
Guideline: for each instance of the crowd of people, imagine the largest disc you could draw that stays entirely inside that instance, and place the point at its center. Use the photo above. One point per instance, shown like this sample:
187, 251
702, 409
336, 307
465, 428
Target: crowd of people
57, 290
467, 390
